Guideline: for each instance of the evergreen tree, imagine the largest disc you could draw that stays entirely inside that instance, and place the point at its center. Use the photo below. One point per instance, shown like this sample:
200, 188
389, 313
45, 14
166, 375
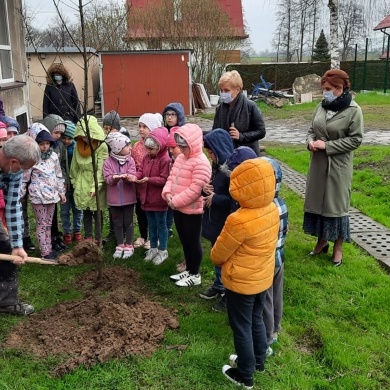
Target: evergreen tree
321, 51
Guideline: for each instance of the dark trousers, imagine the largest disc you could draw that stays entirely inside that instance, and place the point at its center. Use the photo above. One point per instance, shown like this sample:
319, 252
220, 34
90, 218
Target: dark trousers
54, 225
189, 228
89, 217
8, 274
245, 314
122, 220
142, 220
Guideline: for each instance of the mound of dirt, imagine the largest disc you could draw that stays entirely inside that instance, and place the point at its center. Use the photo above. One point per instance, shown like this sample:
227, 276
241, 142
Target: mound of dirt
85, 252
115, 319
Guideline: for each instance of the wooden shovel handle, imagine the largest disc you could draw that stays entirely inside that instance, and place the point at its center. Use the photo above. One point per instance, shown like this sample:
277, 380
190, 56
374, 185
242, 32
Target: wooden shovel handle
36, 260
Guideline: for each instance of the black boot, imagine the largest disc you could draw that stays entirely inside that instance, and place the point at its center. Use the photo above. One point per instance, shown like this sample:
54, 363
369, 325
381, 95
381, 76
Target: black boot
28, 245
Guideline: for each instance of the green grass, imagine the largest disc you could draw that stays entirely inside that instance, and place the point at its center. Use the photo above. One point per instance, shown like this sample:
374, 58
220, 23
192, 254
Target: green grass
371, 180
335, 326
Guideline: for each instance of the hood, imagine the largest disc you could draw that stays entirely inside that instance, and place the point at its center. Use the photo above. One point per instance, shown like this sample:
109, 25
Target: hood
95, 131
57, 68
179, 109
8, 121
220, 142
240, 154
193, 135
252, 183
278, 174
52, 120
36, 128
160, 135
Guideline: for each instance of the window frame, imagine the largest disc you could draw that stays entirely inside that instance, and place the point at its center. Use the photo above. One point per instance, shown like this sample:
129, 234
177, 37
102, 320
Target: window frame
6, 48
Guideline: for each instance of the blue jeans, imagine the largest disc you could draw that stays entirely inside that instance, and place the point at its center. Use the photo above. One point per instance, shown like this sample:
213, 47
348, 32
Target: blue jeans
158, 231
217, 285
65, 214
245, 314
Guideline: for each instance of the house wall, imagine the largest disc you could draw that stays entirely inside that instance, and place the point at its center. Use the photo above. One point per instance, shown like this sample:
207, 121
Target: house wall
136, 82
38, 63
15, 94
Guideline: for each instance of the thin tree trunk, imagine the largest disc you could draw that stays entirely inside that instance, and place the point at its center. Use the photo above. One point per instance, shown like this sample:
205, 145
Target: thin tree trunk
334, 34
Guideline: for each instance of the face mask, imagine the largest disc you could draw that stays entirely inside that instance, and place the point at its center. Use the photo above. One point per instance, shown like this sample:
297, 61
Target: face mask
226, 97
328, 96
58, 78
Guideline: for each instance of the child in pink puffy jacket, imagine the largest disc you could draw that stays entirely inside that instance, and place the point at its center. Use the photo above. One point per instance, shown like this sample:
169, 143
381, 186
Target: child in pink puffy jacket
190, 172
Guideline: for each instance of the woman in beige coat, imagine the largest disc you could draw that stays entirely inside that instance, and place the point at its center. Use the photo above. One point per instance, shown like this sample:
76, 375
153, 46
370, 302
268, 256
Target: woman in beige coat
336, 131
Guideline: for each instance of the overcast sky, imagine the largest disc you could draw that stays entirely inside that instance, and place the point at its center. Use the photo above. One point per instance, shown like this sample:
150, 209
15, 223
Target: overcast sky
259, 15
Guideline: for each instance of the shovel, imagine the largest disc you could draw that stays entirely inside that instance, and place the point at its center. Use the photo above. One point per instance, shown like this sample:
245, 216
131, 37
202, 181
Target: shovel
36, 260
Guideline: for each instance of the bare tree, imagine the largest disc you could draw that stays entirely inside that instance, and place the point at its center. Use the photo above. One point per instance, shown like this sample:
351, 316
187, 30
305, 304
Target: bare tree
285, 33
333, 6
199, 25
352, 24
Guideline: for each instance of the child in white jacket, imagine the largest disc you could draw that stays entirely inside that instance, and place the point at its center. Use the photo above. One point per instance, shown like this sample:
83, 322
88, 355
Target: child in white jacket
45, 188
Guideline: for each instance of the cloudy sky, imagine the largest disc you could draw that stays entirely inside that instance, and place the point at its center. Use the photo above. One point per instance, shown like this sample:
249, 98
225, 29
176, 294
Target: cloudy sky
259, 15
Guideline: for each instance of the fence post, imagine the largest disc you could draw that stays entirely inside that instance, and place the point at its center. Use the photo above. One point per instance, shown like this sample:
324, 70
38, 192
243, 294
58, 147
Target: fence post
387, 65
354, 68
365, 66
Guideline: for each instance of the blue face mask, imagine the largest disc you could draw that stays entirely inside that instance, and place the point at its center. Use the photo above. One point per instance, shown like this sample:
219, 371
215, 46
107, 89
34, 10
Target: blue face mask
58, 78
329, 96
226, 97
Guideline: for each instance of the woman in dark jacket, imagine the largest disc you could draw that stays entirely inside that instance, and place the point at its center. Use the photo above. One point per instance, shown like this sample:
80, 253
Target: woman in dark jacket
60, 96
238, 115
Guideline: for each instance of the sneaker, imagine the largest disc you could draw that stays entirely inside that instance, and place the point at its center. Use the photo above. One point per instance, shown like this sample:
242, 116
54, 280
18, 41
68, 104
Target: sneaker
234, 376
128, 251
118, 252
275, 337
28, 245
269, 351
190, 280
221, 305
181, 266
60, 242
52, 256
139, 242
150, 254
210, 293
160, 257
20, 309
170, 233
233, 363
147, 245
77, 237
179, 276
67, 238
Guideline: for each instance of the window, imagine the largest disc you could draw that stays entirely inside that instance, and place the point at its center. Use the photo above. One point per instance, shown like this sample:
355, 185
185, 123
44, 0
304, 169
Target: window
6, 73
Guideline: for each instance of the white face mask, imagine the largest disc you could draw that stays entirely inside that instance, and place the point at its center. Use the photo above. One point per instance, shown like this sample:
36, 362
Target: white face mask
329, 96
226, 97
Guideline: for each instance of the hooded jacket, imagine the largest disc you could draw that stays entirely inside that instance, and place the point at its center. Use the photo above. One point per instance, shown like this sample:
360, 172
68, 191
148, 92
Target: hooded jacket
214, 217
61, 99
81, 170
156, 169
245, 249
179, 109
189, 174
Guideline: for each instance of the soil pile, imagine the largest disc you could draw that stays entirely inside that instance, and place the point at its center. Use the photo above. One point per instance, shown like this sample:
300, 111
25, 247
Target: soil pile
115, 319
85, 252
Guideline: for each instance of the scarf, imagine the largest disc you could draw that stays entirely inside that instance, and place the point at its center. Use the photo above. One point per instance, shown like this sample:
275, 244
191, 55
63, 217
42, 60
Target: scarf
46, 155
84, 149
121, 159
343, 101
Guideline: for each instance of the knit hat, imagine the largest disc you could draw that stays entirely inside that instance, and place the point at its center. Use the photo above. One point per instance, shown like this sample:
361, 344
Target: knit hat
70, 129
36, 128
3, 130
44, 136
180, 140
52, 121
112, 119
116, 142
151, 143
241, 154
151, 121
13, 129
171, 138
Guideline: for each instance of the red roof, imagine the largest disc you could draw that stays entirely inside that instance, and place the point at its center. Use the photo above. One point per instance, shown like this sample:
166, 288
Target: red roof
385, 23
233, 8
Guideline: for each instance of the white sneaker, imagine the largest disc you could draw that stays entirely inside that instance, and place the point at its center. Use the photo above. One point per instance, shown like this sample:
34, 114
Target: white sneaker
269, 351
128, 251
190, 280
147, 245
160, 257
182, 275
118, 252
150, 254
233, 360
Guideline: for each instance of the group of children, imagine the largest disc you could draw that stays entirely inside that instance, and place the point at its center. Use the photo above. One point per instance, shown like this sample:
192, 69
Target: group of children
232, 201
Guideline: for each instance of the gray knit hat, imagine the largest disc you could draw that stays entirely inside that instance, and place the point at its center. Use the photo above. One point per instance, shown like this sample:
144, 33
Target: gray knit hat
112, 119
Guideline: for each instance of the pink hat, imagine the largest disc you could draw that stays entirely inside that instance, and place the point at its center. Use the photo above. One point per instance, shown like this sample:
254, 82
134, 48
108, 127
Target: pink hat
3, 130
171, 143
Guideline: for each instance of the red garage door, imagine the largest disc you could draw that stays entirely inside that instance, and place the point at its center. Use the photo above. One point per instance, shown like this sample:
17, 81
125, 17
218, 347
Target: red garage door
136, 82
